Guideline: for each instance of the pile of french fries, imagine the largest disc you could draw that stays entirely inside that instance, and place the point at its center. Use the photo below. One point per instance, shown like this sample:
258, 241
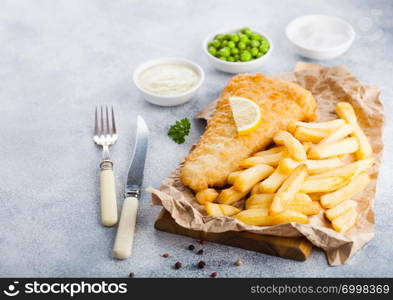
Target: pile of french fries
313, 168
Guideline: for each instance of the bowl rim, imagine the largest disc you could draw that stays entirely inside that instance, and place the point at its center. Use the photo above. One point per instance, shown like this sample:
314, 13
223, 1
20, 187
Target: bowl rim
326, 49
209, 38
161, 60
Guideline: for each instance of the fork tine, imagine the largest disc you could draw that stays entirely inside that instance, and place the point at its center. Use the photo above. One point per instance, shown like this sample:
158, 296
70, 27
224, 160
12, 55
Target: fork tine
108, 128
113, 121
96, 122
102, 131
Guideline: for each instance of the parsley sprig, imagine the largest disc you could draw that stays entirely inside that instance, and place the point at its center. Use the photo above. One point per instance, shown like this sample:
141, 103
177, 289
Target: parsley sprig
179, 130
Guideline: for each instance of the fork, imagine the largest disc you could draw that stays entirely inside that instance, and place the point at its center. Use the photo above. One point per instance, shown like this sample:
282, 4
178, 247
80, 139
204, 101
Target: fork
105, 135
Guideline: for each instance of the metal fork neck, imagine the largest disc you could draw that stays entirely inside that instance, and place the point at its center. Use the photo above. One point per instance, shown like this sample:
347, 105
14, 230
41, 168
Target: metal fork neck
105, 152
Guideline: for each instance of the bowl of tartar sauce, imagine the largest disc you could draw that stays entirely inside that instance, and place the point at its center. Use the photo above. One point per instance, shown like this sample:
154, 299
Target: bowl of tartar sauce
320, 36
168, 81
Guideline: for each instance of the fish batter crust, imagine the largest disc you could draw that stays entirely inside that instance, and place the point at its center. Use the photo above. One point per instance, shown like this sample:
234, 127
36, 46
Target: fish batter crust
220, 150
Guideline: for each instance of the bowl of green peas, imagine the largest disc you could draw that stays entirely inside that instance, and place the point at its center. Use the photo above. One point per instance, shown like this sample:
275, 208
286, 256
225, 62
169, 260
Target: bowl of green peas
237, 50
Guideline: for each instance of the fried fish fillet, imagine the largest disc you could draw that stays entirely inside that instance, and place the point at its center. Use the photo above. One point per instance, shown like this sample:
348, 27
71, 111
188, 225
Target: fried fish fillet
220, 150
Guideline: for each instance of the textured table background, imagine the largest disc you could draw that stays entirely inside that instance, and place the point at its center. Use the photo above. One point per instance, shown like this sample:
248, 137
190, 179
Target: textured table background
58, 59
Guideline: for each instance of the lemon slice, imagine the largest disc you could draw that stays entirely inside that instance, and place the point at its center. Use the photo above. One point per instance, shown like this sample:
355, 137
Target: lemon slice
247, 114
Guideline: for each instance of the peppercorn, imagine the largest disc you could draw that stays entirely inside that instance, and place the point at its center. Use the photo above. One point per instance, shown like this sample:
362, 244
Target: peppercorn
201, 264
191, 247
200, 252
165, 255
214, 274
201, 242
178, 265
238, 262
132, 274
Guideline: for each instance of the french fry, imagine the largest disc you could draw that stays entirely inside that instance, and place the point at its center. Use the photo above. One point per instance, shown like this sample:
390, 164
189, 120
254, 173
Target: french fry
207, 195
230, 196
229, 210
307, 146
327, 126
315, 196
345, 146
291, 127
270, 151
346, 112
308, 209
257, 217
355, 186
322, 185
302, 198
294, 147
255, 189
273, 182
288, 189
259, 201
288, 216
213, 209
313, 166
309, 135
346, 221
216, 210
347, 171
248, 178
340, 209
232, 176
260, 217
268, 159
338, 135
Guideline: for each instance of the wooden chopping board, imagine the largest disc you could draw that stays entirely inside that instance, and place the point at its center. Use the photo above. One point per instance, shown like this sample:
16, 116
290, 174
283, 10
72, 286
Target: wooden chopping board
293, 248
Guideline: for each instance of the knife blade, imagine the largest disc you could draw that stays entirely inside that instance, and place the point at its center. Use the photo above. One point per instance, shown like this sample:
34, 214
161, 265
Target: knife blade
125, 233
136, 170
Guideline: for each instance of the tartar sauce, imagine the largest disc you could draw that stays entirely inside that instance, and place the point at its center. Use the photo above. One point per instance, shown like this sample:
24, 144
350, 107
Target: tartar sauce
168, 79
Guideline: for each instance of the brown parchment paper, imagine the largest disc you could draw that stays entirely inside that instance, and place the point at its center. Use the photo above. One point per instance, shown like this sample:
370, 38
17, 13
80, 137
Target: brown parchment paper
329, 85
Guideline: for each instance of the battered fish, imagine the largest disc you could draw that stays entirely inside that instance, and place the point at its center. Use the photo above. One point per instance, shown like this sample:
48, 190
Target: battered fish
220, 150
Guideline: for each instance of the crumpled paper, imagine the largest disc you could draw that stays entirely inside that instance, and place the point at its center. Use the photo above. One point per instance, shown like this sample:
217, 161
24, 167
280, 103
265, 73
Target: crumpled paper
329, 85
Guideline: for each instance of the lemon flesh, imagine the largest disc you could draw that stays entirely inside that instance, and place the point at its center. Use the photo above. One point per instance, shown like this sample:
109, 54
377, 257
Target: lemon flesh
246, 113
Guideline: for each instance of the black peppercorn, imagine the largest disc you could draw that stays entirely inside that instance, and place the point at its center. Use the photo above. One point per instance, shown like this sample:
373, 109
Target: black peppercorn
201, 264
177, 265
200, 252
191, 247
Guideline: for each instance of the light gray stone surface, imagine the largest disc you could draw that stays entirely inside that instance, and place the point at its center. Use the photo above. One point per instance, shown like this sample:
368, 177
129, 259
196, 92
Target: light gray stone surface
58, 59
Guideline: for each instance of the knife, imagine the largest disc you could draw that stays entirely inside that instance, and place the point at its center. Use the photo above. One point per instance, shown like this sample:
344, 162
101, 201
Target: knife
125, 233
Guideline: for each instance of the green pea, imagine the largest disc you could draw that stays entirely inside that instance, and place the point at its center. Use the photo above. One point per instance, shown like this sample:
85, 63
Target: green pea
224, 43
231, 58
231, 44
264, 46
234, 51
241, 45
245, 56
260, 54
212, 50
255, 44
256, 37
245, 30
236, 57
216, 43
254, 52
220, 37
223, 58
235, 38
244, 39
224, 52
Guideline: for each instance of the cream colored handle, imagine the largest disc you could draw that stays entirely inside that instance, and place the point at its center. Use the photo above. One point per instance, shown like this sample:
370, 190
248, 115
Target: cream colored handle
125, 233
108, 198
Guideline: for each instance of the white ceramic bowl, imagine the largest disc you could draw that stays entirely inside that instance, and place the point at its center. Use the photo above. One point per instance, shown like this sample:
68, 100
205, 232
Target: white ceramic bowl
165, 100
235, 67
320, 36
